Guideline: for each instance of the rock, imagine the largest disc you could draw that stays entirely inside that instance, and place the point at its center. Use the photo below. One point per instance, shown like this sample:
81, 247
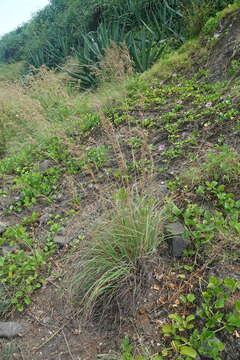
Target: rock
110, 163
3, 227
45, 165
59, 197
62, 240
7, 249
44, 219
11, 329
163, 189
61, 231
177, 242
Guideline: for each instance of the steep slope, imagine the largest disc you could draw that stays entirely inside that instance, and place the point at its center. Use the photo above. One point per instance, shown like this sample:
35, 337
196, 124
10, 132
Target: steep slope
172, 140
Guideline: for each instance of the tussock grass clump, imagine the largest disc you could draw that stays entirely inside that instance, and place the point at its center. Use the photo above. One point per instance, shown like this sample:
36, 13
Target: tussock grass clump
115, 258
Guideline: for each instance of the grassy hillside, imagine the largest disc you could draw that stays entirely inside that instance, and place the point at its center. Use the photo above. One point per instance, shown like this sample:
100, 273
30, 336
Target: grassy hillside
86, 29
119, 208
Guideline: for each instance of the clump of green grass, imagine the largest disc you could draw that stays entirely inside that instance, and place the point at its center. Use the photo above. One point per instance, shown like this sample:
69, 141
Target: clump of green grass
115, 258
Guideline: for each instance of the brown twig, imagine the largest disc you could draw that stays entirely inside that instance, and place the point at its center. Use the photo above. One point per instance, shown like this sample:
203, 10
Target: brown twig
70, 353
36, 348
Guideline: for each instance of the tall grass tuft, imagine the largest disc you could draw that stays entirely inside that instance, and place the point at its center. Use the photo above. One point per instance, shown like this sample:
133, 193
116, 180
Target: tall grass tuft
117, 254
21, 120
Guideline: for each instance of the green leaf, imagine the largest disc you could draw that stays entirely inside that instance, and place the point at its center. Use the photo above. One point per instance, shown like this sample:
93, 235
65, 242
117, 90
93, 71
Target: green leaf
214, 282
167, 329
219, 303
183, 299
2, 261
20, 307
165, 352
230, 284
191, 297
190, 317
176, 211
18, 294
188, 351
175, 317
27, 300
237, 306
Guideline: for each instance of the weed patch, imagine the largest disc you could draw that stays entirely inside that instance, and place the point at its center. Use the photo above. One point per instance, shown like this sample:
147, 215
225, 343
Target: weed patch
33, 185
188, 340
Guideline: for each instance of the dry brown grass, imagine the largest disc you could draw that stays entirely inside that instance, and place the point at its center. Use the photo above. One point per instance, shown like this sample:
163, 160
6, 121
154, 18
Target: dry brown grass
116, 65
21, 118
35, 109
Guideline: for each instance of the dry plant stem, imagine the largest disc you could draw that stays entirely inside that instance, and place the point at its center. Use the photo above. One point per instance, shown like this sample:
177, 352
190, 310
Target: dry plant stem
22, 356
70, 353
38, 347
112, 136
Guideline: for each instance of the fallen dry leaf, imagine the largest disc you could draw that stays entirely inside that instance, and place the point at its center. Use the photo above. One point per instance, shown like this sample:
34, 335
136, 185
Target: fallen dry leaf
156, 287
236, 334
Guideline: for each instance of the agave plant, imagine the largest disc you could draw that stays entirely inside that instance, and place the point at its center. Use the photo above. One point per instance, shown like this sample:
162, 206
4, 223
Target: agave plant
147, 28
166, 22
144, 49
89, 55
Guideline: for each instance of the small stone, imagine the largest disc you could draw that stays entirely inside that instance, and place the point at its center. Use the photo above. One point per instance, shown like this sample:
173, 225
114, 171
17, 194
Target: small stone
61, 231
10, 329
7, 249
46, 320
3, 227
45, 165
163, 188
62, 240
177, 242
44, 219
59, 197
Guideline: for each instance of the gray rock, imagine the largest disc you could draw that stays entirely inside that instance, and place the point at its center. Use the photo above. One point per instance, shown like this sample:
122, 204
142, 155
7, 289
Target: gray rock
62, 240
163, 189
45, 165
3, 227
177, 242
61, 231
59, 197
11, 329
44, 219
7, 249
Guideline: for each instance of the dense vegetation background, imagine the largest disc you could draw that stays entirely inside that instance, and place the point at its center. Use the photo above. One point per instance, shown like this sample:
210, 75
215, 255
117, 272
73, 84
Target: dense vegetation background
85, 29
